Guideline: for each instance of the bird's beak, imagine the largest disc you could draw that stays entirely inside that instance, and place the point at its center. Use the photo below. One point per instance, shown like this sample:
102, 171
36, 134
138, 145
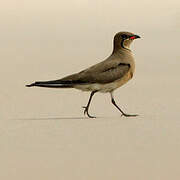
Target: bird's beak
134, 37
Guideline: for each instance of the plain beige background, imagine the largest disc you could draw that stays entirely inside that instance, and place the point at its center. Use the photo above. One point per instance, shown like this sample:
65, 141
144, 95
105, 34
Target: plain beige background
43, 133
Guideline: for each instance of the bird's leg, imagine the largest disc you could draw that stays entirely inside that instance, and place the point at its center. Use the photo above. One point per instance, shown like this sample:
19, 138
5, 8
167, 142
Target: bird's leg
123, 114
87, 107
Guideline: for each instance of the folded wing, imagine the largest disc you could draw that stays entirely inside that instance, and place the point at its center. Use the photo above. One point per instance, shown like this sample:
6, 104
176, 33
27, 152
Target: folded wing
96, 74
106, 75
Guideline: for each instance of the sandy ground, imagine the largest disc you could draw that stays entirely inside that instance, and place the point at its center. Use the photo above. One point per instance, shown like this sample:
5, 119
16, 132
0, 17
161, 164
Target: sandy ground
43, 132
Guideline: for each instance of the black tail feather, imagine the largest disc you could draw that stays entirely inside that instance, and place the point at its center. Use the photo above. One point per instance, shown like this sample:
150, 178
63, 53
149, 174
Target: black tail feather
50, 84
30, 85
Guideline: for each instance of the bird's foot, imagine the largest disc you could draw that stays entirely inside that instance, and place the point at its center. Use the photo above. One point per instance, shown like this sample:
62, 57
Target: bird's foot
86, 112
129, 115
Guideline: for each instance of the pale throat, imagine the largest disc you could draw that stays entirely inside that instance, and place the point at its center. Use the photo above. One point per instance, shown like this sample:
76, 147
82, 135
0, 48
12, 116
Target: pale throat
127, 43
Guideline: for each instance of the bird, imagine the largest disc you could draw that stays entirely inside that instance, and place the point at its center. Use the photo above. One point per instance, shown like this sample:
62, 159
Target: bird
104, 77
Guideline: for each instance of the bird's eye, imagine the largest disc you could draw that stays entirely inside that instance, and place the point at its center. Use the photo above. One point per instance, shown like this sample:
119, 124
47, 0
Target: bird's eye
124, 36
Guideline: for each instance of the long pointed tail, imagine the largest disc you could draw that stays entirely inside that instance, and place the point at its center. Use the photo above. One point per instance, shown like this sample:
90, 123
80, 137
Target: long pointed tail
50, 84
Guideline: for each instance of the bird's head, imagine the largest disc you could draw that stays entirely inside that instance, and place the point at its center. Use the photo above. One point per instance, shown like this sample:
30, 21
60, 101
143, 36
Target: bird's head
124, 40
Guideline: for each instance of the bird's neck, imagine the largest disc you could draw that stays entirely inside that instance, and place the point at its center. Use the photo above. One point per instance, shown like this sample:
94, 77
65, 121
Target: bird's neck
118, 47
121, 50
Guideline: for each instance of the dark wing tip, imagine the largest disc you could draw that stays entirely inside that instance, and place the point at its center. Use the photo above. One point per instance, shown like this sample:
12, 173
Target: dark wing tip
30, 85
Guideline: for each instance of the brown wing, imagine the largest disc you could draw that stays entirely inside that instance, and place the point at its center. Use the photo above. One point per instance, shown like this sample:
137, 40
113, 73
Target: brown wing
103, 72
104, 75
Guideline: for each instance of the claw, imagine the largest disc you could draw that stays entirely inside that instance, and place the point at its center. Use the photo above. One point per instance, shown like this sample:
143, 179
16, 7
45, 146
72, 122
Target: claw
129, 115
86, 112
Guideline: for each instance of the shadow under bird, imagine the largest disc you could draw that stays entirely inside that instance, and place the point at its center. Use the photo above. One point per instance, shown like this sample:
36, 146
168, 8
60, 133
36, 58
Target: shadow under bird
105, 76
